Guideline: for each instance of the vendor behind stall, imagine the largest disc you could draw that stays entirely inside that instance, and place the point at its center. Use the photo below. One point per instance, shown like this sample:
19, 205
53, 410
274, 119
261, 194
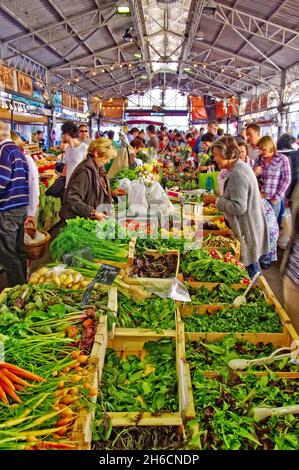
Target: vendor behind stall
89, 186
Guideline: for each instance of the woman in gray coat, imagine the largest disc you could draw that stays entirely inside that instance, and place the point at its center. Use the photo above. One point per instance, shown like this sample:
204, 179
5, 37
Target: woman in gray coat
242, 204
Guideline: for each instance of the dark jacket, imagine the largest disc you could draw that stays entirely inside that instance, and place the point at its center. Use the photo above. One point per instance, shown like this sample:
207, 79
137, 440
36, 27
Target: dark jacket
294, 164
84, 191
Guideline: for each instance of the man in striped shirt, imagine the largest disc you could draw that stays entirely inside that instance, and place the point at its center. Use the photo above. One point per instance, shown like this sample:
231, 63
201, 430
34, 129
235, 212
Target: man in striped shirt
14, 199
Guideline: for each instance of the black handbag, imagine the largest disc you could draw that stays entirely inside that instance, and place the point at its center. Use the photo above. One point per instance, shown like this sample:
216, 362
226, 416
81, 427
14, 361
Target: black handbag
57, 188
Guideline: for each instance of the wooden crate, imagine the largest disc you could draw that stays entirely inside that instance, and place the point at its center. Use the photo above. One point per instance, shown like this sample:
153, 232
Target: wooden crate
82, 428
112, 307
188, 309
133, 344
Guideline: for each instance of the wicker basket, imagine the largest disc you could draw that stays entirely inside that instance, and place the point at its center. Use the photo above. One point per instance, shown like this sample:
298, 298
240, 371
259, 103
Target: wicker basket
38, 250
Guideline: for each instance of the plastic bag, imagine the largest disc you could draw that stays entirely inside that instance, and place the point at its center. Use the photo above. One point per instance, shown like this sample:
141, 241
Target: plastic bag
157, 195
59, 276
173, 289
137, 200
286, 229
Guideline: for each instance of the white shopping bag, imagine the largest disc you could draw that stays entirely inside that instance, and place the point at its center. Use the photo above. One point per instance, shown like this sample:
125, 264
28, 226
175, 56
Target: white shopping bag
137, 201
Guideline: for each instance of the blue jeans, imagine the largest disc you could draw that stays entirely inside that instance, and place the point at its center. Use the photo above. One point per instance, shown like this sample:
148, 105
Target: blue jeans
281, 213
276, 208
252, 269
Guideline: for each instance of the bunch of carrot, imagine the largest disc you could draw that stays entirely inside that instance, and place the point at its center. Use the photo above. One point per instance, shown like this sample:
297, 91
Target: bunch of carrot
11, 380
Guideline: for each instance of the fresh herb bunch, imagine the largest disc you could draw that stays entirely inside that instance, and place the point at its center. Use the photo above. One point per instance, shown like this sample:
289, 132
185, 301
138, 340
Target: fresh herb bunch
204, 355
223, 409
80, 233
161, 244
202, 267
256, 318
148, 384
154, 313
222, 294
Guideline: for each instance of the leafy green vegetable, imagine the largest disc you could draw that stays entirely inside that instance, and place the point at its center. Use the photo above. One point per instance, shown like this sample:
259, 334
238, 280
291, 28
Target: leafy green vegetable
202, 267
223, 412
154, 313
222, 294
216, 355
80, 233
257, 318
134, 384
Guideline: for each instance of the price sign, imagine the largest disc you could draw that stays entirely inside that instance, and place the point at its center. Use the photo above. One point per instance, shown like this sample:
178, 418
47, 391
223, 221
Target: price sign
105, 275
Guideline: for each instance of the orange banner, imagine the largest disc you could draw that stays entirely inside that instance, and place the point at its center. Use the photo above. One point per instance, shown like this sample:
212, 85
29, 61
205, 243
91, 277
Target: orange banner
198, 111
248, 107
220, 110
233, 107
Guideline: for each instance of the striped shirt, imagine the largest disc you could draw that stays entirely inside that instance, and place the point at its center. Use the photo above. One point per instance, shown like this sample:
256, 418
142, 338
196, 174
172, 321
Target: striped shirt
14, 187
292, 270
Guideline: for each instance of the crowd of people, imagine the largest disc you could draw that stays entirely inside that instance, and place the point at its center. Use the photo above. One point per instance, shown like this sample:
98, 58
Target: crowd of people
257, 180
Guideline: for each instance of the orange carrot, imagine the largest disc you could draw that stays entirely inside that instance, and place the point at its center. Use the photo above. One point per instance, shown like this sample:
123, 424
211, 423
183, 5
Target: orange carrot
11, 392
14, 378
3, 396
6, 380
21, 372
54, 445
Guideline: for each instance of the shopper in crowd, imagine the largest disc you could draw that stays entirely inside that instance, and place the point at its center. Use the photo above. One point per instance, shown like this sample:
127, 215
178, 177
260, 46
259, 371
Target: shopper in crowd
285, 144
84, 134
164, 144
137, 146
273, 172
294, 165
212, 129
190, 139
133, 133
253, 135
290, 265
33, 181
88, 185
242, 204
41, 140
141, 136
241, 135
75, 153
202, 131
206, 164
153, 140
14, 199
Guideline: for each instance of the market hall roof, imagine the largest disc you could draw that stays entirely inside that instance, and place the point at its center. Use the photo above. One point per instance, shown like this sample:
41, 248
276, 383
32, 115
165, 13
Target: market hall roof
178, 43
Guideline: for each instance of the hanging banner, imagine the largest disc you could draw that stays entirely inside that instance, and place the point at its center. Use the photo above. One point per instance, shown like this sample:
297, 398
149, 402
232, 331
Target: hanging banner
81, 105
198, 111
112, 108
255, 105
74, 103
248, 107
233, 106
264, 102
7, 78
66, 100
221, 110
25, 85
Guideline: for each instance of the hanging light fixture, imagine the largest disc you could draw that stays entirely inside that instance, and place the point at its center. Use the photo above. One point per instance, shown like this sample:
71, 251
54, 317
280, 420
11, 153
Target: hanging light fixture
123, 8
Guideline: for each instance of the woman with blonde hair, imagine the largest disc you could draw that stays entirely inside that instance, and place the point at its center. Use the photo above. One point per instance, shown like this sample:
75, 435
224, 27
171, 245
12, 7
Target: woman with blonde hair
88, 186
273, 172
